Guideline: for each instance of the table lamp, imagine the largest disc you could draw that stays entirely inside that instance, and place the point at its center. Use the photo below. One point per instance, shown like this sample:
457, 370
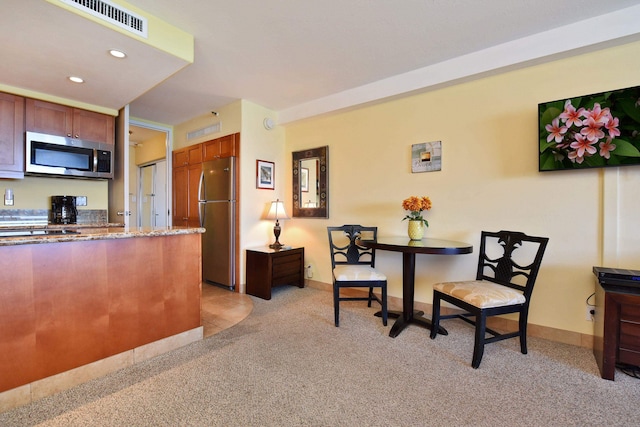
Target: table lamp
277, 212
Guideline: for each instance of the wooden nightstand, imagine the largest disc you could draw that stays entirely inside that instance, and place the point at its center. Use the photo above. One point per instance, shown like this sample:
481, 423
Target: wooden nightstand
267, 268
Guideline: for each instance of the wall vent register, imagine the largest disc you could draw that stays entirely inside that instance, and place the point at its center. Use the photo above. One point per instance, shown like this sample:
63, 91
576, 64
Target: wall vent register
112, 13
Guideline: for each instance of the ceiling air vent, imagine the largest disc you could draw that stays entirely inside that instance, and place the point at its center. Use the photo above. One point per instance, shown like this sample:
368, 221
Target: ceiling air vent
216, 127
112, 13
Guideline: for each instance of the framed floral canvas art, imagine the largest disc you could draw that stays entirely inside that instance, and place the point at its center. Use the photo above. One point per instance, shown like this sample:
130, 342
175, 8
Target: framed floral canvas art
590, 131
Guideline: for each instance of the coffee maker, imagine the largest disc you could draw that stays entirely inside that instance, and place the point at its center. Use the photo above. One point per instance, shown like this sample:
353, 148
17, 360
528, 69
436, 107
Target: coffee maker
63, 210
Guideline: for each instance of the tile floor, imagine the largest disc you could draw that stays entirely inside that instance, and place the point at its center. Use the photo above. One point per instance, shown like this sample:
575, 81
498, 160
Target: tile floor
222, 308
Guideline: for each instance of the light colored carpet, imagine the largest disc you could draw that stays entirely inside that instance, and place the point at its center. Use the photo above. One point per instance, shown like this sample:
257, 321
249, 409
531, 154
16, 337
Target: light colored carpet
287, 365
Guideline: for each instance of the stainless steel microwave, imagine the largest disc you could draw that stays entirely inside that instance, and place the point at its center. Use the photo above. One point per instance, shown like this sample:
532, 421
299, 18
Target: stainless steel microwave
71, 157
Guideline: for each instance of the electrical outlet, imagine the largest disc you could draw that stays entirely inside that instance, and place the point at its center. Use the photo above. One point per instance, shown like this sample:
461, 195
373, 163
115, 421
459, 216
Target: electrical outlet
309, 272
589, 312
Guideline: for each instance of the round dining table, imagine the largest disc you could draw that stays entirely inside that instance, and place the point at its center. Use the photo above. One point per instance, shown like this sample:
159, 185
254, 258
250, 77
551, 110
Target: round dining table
409, 249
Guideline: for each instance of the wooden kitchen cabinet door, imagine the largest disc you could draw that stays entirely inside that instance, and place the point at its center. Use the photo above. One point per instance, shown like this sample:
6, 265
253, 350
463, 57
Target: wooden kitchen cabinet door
194, 172
220, 147
56, 119
187, 168
91, 126
47, 117
11, 136
190, 155
180, 196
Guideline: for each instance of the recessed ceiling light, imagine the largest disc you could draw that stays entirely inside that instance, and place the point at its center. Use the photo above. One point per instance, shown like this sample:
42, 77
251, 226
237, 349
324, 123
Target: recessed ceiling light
117, 53
76, 79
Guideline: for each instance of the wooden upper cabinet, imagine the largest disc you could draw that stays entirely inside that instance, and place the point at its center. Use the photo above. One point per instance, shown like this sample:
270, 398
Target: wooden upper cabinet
56, 119
11, 136
46, 117
187, 156
220, 147
92, 126
195, 154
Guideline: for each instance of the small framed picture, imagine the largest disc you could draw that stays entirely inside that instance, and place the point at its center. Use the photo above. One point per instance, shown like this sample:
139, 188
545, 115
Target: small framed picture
304, 180
426, 157
265, 175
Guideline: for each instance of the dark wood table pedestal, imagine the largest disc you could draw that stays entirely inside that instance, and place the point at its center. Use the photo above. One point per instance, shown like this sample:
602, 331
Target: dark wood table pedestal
409, 249
412, 316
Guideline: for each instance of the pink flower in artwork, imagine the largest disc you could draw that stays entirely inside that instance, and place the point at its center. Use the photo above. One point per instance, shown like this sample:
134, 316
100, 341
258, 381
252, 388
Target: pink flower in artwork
583, 145
612, 127
570, 116
599, 115
606, 148
592, 130
555, 131
573, 156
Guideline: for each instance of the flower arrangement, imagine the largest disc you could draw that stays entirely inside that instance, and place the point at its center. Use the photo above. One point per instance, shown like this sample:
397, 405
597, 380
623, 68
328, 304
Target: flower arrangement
415, 205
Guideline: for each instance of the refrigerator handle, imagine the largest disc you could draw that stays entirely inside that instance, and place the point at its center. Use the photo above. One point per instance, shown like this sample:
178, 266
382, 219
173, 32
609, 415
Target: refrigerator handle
201, 208
201, 205
201, 186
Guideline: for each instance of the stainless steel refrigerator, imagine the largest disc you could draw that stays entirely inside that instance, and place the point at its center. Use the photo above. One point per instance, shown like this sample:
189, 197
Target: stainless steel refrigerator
217, 203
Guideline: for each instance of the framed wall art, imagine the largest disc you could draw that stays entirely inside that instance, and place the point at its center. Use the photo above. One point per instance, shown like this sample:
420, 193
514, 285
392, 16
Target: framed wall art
265, 175
590, 131
426, 157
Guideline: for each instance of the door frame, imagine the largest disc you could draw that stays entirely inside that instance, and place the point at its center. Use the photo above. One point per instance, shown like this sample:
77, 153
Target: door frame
168, 130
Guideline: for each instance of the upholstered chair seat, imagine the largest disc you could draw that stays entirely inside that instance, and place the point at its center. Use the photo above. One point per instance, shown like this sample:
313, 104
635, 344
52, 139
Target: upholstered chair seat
481, 293
350, 273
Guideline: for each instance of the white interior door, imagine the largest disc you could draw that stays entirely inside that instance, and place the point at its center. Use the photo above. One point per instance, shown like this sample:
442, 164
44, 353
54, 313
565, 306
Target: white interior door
146, 196
152, 195
161, 192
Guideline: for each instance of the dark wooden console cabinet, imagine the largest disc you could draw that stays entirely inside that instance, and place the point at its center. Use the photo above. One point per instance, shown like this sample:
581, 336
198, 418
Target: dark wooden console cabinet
617, 327
267, 268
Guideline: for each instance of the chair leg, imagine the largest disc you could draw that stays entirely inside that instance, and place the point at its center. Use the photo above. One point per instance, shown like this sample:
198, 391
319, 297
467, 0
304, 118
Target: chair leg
478, 349
336, 304
370, 297
523, 331
435, 316
384, 305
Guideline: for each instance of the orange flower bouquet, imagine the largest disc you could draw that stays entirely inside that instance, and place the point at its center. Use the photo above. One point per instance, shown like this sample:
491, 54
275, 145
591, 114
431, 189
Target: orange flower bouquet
415, 205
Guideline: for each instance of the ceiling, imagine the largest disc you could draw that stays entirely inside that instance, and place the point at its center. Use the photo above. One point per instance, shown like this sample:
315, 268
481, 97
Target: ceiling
298, 58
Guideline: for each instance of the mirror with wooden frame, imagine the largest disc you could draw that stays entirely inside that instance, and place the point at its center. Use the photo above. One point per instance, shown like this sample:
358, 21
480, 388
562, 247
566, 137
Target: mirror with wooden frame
310, 183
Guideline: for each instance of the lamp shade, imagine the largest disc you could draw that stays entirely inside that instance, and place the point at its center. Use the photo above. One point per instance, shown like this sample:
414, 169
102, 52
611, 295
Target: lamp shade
277, 211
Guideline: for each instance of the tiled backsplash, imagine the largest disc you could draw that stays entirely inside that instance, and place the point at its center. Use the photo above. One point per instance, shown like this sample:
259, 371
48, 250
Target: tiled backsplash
42, 216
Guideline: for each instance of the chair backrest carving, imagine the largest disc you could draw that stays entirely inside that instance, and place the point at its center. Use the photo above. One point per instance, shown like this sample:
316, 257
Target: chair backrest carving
503, 268
344, 248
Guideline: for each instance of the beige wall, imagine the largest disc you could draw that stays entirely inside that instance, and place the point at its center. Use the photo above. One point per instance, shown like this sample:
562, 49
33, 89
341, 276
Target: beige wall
229, 117
151, 150
489, 180
35, 192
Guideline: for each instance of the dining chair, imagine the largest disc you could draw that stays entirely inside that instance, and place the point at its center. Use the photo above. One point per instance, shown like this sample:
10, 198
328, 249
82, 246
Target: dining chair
504, 283
354, 266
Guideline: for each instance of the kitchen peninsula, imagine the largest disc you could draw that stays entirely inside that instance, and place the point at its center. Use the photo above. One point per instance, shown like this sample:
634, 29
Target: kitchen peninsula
72, 297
